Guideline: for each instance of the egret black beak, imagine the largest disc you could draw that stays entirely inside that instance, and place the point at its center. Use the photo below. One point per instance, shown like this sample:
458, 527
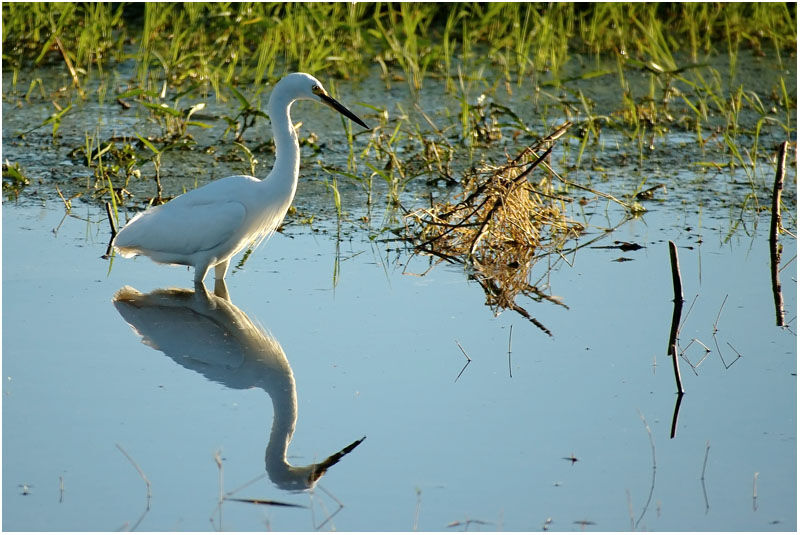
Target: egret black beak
333, 103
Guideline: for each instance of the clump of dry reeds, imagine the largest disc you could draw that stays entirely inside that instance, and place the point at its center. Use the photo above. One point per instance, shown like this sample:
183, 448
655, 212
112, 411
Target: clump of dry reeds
505, 221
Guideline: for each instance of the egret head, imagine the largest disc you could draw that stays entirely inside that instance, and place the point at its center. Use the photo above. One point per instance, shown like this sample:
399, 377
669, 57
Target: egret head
305, 87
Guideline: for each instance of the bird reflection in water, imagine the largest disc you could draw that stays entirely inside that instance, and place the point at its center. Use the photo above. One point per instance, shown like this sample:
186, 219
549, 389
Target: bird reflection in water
208, 334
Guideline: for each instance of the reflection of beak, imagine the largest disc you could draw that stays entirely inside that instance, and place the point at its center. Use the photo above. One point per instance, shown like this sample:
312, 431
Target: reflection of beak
333, 103
320, 468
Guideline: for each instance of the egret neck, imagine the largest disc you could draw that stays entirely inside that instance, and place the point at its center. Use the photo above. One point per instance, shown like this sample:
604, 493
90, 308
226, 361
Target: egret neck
286, 169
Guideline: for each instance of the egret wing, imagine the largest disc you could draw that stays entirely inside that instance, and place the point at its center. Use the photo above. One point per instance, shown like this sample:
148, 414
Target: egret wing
182, 228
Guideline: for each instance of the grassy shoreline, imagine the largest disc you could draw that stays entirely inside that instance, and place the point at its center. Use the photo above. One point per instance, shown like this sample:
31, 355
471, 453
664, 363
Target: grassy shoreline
505, 73
253, 42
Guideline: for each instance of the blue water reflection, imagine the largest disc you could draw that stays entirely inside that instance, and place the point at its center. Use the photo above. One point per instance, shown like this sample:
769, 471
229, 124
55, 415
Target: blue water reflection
377, 356
208, 334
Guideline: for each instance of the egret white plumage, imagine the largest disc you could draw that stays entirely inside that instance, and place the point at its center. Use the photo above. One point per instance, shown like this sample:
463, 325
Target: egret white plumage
205, 227
210, 335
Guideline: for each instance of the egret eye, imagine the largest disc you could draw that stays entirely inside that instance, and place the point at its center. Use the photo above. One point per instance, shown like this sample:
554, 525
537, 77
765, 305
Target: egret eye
315, 89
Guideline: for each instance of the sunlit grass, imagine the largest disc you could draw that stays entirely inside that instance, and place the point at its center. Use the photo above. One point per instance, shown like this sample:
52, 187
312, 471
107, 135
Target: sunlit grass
656, 56
240, 42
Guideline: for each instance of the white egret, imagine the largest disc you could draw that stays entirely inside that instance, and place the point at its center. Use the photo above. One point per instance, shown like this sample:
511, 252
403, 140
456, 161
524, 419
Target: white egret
207, 226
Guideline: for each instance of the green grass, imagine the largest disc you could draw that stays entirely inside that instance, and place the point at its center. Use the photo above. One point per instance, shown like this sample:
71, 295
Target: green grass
14, 180
657, 56
218, 43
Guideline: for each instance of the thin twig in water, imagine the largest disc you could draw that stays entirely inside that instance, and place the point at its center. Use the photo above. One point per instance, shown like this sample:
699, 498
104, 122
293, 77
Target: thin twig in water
677, 287
784, 266
719, 352
585, 188
675, 413
755, 491
147, 483
686, 317
703, 476
141, 473
261, 501
75, 82
67, 203
58, 227
113, 226
716, 321
788, 323
462, 350
685, 349
245, 485
331, 515
738, 355
653, 483
704, 347
708, 352
221, 497
630, 508
510, 330
691, 366
465, 365
775, 229
416, 510
466, 523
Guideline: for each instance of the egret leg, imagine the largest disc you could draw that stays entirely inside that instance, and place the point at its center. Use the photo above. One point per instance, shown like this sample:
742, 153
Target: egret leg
221, 289
220, 270
200, 273
201, 292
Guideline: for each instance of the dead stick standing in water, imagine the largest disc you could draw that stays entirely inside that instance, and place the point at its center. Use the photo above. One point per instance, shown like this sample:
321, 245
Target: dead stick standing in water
111, 222
113, 226
673, 430
677, 287
774, 230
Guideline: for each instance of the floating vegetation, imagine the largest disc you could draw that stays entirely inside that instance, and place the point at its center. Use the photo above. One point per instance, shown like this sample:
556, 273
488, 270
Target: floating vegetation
505, 221
13, 180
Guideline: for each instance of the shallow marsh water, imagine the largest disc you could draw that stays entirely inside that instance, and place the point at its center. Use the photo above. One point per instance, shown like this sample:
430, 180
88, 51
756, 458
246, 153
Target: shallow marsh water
377, 357
576, 436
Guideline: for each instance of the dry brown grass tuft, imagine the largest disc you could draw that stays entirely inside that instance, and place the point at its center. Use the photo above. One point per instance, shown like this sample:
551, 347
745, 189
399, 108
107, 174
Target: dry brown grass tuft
503, 224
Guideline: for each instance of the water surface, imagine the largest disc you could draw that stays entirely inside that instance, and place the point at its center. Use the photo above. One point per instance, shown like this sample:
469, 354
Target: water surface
376, 356
120, 373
